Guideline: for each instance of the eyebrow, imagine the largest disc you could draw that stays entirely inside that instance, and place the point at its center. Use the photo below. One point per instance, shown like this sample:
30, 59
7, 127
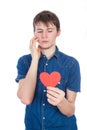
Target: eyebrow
43, 29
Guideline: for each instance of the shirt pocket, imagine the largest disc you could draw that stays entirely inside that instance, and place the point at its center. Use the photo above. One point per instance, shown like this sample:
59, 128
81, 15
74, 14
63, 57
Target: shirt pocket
62, 84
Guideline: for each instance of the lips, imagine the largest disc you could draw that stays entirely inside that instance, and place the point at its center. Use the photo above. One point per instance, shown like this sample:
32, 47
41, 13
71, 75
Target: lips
44, 41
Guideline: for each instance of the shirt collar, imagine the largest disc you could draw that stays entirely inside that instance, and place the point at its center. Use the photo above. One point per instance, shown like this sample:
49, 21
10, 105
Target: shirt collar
56, 54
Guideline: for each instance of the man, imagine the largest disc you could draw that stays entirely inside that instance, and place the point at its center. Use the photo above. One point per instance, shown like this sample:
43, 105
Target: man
48, 79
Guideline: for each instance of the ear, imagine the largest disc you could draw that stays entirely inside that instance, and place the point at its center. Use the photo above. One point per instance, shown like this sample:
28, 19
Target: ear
58, 33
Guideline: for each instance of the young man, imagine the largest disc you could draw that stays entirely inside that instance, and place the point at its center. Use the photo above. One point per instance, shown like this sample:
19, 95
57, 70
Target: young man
48, 79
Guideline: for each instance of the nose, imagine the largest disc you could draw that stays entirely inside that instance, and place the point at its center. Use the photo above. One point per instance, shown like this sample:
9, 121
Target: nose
44, 34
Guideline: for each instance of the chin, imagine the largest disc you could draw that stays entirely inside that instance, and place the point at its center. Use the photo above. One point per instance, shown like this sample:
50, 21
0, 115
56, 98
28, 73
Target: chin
45, 47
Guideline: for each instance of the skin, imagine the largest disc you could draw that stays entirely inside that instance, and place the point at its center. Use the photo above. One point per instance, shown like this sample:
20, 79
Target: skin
46, 38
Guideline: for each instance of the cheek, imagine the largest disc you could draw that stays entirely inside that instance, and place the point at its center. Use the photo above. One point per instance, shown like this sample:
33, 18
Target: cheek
38, 36
54, 37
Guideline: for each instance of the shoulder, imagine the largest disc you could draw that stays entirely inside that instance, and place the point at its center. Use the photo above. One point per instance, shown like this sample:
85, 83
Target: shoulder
67, 60
25, 58
23, 66
24, 61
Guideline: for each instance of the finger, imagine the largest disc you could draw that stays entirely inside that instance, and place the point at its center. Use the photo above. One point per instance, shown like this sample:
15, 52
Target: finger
33, 43
39, 49
55, 97
51, 102
57, 90
35, 38
51, 98
53, 89
53, 93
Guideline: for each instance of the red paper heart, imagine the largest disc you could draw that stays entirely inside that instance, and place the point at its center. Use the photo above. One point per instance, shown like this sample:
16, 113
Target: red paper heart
50, 79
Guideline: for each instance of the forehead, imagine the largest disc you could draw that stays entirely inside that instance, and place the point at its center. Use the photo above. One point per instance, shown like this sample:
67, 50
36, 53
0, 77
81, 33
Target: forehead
42, 25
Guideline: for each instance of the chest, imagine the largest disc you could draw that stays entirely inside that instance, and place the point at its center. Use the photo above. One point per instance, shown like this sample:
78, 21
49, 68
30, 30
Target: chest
51, 66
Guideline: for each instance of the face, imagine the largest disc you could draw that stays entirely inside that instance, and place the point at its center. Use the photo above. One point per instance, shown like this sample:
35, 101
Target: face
46, 34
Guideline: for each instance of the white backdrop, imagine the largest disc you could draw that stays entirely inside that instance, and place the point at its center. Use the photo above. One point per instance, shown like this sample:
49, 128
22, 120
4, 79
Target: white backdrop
16, 29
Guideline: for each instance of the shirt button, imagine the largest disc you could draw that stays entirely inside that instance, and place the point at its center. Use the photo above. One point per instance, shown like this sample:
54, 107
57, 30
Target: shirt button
43, 104
43, 118
46, 64
44, 91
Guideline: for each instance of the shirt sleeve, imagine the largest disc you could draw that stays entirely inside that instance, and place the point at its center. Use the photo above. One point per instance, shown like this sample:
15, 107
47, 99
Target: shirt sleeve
74, 79
22, 68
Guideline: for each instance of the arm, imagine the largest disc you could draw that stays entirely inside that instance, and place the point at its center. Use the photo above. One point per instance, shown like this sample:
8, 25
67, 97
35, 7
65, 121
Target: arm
57, 98
27, 85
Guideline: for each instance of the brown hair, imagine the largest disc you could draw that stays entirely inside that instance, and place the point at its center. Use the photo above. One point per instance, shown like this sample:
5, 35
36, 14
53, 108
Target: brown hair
46, 17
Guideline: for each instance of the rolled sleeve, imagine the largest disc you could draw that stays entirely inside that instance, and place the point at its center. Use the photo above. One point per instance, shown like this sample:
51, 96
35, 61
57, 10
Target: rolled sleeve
22, 67
74, 79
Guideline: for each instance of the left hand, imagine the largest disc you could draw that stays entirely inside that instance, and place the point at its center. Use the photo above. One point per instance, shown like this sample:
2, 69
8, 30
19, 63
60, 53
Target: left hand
55, 96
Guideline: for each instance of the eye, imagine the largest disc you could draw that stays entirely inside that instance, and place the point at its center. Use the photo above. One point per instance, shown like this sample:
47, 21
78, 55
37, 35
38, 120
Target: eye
50, 30
39, 32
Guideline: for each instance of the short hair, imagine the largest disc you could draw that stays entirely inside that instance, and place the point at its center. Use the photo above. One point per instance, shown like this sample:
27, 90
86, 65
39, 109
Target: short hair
47, 17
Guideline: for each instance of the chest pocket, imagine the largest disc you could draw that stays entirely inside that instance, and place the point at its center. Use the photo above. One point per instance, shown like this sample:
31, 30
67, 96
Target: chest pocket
63, 84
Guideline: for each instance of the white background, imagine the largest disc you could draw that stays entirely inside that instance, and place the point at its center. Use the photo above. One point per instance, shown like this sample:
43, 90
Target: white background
16, 17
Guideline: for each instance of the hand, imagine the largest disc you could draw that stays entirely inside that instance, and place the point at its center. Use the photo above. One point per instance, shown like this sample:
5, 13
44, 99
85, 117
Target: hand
35, 50
55, 96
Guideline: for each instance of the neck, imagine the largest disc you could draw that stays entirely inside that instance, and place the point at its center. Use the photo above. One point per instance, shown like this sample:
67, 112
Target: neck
49, 51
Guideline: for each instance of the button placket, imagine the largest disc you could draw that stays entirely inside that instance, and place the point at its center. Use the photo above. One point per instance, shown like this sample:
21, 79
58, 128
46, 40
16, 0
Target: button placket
46, 65
43, 109
44, 98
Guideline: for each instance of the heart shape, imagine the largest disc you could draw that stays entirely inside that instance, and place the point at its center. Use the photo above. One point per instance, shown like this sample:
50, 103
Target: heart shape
50, 79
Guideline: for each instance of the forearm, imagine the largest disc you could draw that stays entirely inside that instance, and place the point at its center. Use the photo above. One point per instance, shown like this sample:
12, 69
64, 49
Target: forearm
27, 85
57, 98
66, 107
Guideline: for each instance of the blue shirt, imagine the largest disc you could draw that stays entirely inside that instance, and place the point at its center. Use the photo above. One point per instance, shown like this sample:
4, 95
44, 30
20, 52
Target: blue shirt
40, 115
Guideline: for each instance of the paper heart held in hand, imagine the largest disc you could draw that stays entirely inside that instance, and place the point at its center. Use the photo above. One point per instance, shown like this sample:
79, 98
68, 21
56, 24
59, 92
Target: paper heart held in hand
50, 79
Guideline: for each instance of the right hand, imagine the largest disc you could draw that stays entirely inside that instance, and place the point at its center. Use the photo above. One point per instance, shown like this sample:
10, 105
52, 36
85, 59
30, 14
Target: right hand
35, 51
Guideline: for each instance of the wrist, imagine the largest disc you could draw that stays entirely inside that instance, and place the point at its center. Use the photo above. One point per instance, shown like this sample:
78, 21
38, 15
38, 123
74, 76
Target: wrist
62, 102
35, 61
35, 58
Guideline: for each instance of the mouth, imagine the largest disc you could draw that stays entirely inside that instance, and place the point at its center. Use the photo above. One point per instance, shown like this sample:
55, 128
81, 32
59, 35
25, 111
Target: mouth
45, 42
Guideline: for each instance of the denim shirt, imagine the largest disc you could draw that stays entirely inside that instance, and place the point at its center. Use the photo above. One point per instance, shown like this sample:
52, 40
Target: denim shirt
40, 115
